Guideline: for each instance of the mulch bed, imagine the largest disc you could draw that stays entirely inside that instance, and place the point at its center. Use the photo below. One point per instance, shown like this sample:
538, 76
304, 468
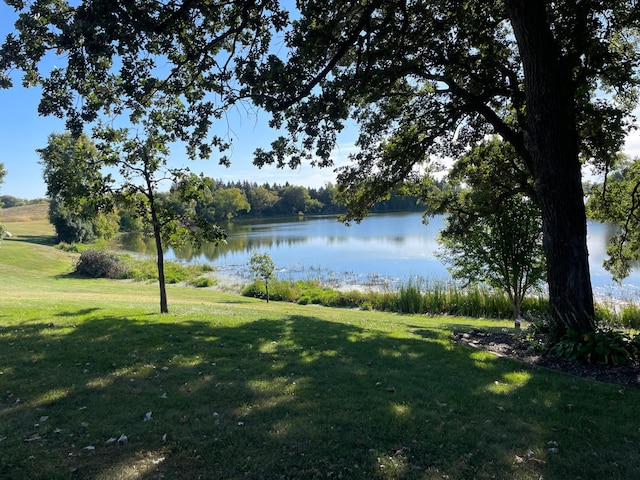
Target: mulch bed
510, 345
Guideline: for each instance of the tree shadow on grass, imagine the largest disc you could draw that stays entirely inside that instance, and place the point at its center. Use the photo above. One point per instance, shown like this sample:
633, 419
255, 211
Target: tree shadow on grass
297, 397
83, 312
47, 240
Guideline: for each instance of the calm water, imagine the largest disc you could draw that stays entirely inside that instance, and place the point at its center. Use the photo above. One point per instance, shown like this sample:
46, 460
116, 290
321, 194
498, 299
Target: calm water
383, 249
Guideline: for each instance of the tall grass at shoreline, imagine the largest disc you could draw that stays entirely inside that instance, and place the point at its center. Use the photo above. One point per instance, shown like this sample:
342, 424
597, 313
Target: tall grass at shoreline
432, 297
419, 296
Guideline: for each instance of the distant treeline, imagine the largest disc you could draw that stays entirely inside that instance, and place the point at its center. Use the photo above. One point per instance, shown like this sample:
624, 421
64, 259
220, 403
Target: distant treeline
7, 201
224, 201
274, 200
244, 199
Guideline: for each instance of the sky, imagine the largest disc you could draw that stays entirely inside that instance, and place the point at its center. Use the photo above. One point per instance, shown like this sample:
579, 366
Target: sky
22, 131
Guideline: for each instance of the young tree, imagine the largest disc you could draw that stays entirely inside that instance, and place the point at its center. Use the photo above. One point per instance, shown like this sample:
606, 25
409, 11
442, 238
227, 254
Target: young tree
428, 80
493, 231
503, 250
82, 192
261, 266
168, 68
617, 200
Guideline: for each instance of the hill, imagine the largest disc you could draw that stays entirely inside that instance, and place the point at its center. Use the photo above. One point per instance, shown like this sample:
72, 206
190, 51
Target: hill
25, 213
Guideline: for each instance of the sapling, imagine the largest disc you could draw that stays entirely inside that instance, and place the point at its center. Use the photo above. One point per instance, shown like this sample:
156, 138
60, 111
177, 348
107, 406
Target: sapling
262, 267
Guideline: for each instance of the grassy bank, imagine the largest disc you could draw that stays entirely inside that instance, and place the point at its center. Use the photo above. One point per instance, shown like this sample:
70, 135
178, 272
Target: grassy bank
420, 296
232, 387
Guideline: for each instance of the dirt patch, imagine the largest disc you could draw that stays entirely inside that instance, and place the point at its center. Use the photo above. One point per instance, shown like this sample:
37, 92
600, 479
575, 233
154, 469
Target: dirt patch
506, 344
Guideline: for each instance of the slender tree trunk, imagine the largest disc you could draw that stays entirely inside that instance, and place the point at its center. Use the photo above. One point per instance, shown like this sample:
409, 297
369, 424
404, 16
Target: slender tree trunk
155, 222
164, 306
552, 143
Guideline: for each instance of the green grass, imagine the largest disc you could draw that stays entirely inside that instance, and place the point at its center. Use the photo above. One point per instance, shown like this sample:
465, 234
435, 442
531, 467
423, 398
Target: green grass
243, 389
429, 297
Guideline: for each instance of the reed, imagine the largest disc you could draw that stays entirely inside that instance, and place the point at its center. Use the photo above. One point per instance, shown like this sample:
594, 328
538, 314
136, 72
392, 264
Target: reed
415, 296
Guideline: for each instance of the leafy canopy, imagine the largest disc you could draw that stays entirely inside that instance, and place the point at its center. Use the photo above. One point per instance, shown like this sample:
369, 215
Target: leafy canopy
261, 265
493, 228
617, 200
168, 66
427, 80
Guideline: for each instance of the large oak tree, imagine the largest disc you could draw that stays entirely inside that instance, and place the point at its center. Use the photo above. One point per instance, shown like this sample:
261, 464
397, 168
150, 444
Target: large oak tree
426, 80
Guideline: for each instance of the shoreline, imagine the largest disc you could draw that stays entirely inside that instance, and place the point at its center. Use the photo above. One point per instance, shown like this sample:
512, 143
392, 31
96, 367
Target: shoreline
233, 278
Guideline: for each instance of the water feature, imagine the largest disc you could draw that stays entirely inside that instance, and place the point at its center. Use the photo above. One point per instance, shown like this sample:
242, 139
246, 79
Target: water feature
382, 249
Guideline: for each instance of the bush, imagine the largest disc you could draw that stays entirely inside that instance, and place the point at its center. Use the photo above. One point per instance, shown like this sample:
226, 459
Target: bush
603, 346
97, 264
72, 247
203, 282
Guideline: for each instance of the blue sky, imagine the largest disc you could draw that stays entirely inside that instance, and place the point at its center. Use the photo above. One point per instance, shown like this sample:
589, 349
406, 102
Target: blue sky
22, 131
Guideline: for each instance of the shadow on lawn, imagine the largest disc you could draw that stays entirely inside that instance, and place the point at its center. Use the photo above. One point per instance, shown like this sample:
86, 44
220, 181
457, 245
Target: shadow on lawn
47, 240
295, 398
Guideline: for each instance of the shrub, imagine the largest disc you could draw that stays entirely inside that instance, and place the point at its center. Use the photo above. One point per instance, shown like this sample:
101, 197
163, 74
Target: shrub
97, 264
176, 272
203, 282
603, 346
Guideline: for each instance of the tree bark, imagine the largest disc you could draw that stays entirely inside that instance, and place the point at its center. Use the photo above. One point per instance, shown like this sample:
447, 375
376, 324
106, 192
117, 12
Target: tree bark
157, 235
552, 145
164, 305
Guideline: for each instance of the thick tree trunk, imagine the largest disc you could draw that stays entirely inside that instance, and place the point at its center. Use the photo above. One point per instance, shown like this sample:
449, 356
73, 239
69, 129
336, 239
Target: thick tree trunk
552, 144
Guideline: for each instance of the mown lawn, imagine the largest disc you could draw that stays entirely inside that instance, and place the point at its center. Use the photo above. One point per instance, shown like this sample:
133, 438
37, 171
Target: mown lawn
232, 388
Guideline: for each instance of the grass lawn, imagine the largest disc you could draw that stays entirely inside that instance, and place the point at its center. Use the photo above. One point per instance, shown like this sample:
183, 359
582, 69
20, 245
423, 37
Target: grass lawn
228, 387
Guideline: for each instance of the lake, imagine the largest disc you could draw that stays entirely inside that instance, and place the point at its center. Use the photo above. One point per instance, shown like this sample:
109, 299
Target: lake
383, 249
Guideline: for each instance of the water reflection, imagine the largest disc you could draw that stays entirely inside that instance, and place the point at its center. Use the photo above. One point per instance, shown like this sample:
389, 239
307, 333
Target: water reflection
386, 246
